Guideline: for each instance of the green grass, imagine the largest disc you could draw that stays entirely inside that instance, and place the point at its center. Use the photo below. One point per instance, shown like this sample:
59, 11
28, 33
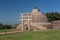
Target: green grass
5, 30
37, 35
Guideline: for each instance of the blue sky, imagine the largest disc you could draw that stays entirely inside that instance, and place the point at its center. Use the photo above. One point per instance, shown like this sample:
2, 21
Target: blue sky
10, 9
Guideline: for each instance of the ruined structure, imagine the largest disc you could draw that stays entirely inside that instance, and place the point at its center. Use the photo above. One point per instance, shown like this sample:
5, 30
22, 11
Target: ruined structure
34, 20
56, 24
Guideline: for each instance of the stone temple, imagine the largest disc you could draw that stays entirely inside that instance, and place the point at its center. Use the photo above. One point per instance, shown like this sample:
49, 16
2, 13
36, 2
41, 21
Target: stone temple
34, 20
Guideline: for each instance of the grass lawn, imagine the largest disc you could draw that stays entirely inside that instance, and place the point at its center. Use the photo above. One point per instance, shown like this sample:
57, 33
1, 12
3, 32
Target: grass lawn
5, 30
36, 35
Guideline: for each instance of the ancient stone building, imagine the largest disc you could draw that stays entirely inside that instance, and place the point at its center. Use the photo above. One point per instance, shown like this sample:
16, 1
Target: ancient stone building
56, 24
34, 20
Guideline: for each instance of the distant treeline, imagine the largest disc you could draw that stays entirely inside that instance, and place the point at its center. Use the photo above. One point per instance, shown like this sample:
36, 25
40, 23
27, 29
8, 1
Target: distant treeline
5, 26
53, 16
8, 26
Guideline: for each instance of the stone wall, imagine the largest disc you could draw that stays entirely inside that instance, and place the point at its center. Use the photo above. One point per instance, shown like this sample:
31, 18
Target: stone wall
56, 24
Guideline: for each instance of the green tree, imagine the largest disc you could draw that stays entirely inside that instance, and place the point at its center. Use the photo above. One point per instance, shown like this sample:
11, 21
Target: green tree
1, 26
53, 16
7, 27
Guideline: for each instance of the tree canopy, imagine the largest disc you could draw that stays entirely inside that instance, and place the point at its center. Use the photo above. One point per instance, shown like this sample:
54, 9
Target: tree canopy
5, 26
53, 16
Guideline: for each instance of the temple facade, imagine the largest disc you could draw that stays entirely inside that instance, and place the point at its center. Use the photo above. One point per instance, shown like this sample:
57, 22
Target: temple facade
34, 20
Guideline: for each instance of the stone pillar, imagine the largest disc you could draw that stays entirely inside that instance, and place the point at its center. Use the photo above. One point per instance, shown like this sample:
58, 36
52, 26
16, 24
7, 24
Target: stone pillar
22, 22
28, 23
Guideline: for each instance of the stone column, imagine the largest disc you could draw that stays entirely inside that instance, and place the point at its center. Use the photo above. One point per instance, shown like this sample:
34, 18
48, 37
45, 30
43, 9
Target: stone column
22, 22
28, 23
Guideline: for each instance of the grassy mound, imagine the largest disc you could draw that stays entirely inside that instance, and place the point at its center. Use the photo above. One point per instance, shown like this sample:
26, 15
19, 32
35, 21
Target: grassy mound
36, 35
